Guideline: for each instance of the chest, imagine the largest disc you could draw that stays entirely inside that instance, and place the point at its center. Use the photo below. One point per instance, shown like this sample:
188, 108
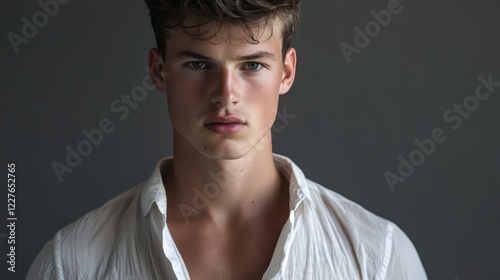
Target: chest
241, 254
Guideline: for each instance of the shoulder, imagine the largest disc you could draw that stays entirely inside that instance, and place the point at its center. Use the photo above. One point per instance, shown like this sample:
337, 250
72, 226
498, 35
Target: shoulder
336, 216
102, 225
105, 218
379, 244
342, 210
89, 240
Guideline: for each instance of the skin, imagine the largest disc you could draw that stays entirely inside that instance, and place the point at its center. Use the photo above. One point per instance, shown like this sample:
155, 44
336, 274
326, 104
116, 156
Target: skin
234, 234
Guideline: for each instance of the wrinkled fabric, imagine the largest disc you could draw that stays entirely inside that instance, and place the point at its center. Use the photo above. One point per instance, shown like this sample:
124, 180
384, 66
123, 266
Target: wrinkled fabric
326, 237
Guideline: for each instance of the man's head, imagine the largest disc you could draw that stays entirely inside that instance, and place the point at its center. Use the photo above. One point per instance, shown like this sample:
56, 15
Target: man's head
222, 72
167, 15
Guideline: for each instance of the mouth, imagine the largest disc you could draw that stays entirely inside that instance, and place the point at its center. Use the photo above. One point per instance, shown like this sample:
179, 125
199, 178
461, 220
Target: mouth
225, 124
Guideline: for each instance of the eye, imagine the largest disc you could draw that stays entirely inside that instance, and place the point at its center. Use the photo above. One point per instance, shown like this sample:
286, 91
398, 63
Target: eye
253, 66
197, 64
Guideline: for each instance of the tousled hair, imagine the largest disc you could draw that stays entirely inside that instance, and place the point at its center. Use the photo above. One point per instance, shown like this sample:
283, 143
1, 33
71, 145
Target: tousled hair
167, 15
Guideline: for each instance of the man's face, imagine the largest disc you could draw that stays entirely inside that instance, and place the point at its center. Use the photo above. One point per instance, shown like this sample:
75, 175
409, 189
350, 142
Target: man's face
223, 93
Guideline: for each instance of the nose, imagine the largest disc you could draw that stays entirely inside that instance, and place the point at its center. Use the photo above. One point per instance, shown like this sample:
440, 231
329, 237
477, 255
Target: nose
225, 89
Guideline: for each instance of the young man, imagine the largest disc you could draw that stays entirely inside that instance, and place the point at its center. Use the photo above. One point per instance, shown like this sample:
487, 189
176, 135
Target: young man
224, 206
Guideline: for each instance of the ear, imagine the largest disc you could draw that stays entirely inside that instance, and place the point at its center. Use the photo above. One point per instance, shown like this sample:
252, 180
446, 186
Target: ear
156, 67
289, 68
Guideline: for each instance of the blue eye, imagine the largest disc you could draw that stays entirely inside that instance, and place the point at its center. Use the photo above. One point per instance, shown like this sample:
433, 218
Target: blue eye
253, 66
197, 64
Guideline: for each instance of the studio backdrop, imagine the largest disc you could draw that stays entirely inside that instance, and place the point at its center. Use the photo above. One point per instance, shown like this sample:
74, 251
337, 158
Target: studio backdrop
396, 106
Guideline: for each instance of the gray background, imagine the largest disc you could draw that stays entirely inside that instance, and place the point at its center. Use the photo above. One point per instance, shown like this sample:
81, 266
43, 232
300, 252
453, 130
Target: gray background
352, 119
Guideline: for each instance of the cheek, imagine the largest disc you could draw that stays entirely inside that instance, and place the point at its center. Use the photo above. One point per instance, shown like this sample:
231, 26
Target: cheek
265, 96
183, 99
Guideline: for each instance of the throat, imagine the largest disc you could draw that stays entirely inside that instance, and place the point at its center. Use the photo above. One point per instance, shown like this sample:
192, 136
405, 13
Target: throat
226, 194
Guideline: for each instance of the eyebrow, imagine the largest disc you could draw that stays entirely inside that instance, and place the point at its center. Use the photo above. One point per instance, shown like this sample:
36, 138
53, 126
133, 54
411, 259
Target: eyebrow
262, 54
191, 54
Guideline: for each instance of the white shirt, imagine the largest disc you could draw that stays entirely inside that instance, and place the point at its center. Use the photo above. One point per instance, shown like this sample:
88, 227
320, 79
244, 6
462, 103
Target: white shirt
326, 237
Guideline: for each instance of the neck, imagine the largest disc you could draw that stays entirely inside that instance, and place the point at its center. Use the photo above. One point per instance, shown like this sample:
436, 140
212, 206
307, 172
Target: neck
223, 191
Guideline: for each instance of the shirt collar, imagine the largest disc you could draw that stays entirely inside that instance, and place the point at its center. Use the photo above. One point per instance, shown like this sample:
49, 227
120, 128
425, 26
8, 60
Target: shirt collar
298, 183
154, 190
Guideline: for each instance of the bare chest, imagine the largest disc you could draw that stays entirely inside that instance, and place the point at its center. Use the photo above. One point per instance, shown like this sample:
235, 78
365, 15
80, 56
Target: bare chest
235, 255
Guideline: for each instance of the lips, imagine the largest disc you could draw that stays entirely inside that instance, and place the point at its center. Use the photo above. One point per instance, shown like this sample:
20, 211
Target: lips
225, 124
225, 120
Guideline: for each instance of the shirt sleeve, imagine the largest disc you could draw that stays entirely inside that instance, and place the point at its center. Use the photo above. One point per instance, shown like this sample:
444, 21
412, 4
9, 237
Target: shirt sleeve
402, 261
44, 266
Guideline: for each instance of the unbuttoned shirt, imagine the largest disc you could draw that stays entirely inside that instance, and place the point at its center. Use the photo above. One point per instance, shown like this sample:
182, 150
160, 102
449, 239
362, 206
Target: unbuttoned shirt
326, 237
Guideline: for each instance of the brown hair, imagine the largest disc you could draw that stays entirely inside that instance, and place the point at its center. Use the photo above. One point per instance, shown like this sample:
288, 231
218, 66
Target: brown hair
170, 14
